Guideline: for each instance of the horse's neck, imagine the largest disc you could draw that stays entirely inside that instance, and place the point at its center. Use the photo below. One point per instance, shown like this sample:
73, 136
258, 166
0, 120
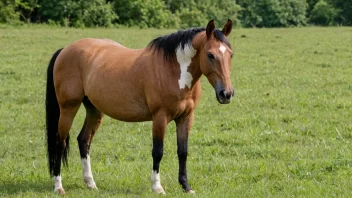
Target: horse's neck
188, 63
197, 43
194, 69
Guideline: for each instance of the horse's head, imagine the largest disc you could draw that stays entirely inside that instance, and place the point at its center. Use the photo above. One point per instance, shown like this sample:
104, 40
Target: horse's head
215, 61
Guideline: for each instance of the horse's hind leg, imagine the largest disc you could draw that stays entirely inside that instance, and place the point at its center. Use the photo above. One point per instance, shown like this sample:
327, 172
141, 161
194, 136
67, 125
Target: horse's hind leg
91, 125
67, 113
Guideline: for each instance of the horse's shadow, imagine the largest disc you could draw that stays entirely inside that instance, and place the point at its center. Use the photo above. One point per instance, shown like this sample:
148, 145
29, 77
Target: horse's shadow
45, 188
15, 187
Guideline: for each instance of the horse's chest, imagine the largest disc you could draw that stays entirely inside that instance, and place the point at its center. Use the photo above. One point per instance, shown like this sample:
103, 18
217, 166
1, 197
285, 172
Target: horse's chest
183, 107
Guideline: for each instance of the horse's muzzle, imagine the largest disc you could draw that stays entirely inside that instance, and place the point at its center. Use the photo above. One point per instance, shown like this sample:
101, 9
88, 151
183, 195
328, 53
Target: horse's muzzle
224, 97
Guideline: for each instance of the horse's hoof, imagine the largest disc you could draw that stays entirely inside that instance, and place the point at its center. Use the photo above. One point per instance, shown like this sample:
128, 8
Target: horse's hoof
59, 191
190, 191
159, 190
92, 186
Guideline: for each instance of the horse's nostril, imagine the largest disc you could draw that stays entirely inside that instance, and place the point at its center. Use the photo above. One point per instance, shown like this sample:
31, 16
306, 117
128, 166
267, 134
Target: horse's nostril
222, 94
225, 95
228, 96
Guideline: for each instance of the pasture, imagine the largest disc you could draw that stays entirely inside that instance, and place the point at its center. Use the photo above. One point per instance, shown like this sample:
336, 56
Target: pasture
287, 133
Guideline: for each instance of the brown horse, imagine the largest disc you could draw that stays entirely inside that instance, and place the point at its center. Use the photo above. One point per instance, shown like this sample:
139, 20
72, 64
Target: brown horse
159, 83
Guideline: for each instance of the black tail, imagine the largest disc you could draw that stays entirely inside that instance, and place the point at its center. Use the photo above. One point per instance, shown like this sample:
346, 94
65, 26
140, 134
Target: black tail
52, 121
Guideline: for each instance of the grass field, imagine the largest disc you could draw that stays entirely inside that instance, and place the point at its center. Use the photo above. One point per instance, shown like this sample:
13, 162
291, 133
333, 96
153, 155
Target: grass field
287, 133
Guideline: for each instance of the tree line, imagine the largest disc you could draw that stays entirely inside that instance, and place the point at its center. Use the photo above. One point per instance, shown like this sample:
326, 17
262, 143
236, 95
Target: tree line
177, 13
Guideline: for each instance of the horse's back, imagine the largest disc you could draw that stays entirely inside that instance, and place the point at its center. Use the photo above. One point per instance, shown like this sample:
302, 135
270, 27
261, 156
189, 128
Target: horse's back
84, 58
105, 72
90, 48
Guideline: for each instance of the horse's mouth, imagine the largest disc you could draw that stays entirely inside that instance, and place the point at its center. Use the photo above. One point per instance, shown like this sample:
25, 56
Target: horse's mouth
223, 100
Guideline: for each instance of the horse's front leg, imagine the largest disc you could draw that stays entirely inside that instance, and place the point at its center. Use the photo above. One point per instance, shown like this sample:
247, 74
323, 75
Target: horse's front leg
159, 127
183, 126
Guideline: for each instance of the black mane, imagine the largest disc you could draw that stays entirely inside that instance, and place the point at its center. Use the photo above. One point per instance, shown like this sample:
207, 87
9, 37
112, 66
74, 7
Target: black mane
169, 43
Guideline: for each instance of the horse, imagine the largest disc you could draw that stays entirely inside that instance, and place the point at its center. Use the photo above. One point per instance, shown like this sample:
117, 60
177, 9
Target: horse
159, 83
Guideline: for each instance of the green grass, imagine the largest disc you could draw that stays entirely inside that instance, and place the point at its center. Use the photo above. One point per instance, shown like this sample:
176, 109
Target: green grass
286, 134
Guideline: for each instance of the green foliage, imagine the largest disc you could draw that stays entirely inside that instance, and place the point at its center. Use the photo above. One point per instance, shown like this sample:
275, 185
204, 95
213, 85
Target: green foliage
330, 12
98, 13
8, 13
323, 13
346, 14
273, 13
176, 13
195, 13
13, 11
56, 10
78, 13
143, 13
189, 17
311, 4
27, 8
293, 12
344, 17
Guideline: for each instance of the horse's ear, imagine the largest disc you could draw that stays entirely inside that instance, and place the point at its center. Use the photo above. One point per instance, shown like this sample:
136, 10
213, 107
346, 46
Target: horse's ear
227, 28
210, 28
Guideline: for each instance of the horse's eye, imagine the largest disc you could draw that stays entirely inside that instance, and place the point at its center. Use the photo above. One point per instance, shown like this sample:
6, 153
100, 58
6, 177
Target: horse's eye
211, 56
231, 55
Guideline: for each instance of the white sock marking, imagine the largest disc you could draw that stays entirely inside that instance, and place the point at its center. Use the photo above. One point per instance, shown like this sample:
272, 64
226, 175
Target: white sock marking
87, 172
58, 184
222, 48
156, 185
184, 58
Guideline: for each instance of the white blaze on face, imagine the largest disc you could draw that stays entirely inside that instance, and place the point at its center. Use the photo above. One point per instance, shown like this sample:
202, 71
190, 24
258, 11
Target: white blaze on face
87, 172
184, 58
156, 185
58, 184
222, 48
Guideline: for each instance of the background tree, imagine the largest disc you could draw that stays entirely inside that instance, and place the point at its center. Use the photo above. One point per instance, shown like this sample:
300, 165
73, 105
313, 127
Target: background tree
97, 13
8, 13
77, 13
323, 13
344, 8
195, 13
27, 8
143, 13
311, 4
273, 13
177, 13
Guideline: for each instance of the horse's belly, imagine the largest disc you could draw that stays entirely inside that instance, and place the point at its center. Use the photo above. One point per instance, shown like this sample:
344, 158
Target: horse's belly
130, 115
122, 108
